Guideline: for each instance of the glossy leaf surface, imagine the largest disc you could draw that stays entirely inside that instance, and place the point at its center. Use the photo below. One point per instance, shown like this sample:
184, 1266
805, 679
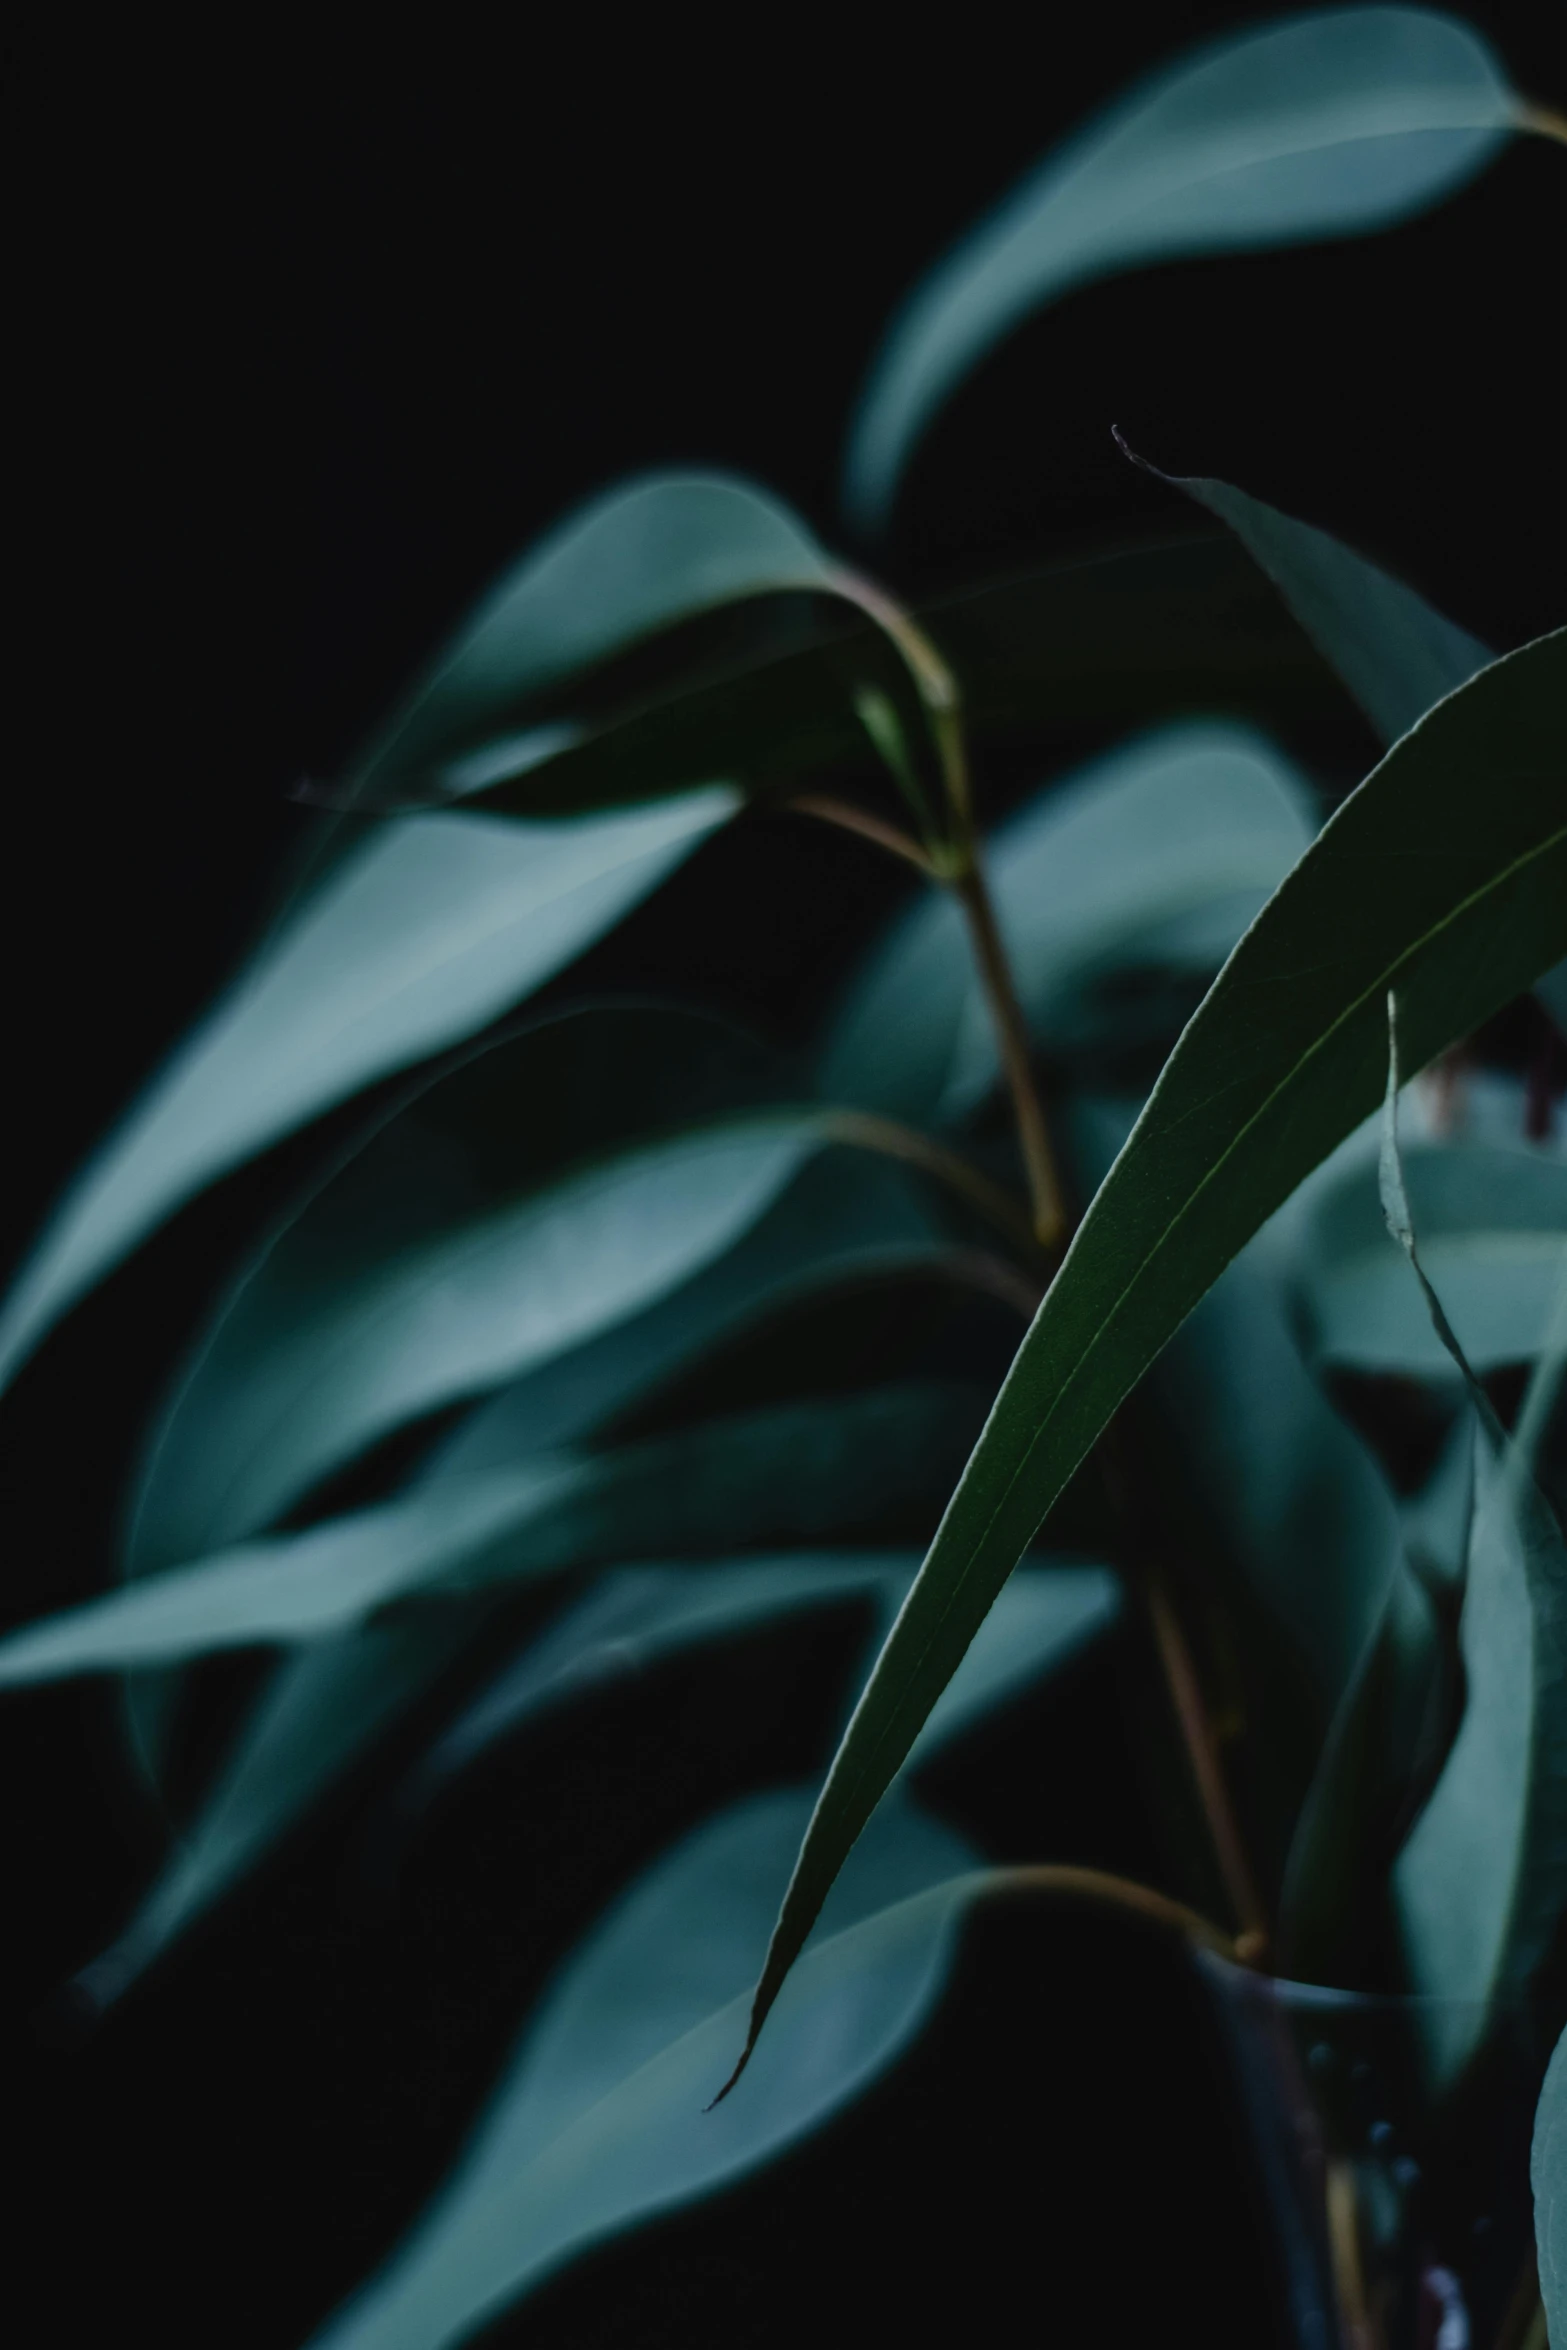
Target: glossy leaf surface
1285, 1058
1327, 124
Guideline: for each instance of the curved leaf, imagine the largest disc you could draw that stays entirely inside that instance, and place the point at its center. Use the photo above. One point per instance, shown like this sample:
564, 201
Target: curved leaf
636, 561
516, 1206
600, 2119
1326, 125
1151, 862
794, 1469
1395, 654
636, 1615
1443, 876
1493, 1226
1548, 2174
427, 932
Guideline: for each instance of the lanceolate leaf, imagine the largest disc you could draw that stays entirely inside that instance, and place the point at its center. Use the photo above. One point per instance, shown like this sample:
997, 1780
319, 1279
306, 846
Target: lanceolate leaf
1493, 1239
635, 562
1328, 124
539, 1193
427, 932
600, 2118
1396, 655
1548, 2173
797, 1469
639, 1614
1481, 1885
1444, 876
1141, 872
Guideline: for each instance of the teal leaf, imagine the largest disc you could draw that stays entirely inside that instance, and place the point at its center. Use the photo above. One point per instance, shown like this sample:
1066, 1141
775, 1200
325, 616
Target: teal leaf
636, 1615
1394, 653
794, 1472
1493, 1239
425, 933
517, 1206
1151, 862
1480, 1886
1548, 2175
1285, 1058
789, 1470
637, 561
599, 2120
323, 1708
1325, 125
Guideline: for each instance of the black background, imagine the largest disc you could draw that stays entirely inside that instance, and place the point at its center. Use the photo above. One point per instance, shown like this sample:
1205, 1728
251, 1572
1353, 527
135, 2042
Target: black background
307, 341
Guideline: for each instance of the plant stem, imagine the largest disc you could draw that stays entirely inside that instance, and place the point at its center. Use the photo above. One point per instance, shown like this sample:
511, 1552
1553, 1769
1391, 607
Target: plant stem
848, 818
1544, 120
1123, 1893
863, 1130
995, 973
1180, 1675
958, 865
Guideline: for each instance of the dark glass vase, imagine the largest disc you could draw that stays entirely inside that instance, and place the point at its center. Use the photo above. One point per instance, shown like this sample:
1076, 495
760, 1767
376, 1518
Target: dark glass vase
1401, 2217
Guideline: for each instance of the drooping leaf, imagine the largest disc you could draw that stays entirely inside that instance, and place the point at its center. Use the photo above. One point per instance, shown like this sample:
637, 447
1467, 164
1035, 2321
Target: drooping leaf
548, 1188
427, 932
1548, 2175
1396, 655
791, 1469
791, 1473
1148, 866
1382, 1754
1329, 124
599, 2120
1481, 1884
1285, 1057
640, 1614
636, 561
1493, 1238
323, 1708
1128, 636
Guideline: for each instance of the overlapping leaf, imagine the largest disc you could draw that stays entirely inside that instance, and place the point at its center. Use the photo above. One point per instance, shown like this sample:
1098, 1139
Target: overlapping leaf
1118, 894
1444, 876
1548, 2174
600, 2119
1328, 124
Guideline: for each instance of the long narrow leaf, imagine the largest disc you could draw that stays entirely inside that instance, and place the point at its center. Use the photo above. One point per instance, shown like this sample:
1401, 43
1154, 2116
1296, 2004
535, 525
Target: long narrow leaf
1327, 125
1445, 876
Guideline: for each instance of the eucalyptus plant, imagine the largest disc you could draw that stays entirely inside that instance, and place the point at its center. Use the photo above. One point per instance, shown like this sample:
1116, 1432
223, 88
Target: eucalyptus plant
1200, 1072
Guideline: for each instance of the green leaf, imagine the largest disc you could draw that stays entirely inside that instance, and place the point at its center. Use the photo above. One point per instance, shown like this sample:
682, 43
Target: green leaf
1142, 871
431, 929
532, 1197
1481, 1884
599, 2120
635, 562
795, 1472
793, 1469
1122, 637
1493, 1239
1285, 1057
323, 1708
637, 1615
1548, 2174
1326, 125
1382, 1754
1395, 654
